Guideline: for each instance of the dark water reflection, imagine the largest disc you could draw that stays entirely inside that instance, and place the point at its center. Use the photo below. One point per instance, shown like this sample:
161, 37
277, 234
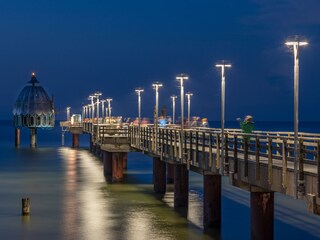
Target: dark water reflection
70, 199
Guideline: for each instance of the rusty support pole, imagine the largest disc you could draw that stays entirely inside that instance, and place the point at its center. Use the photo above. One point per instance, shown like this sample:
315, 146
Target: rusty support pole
75, 140
107, 163
33, 137
170, 173
125, 160
262, 215
25, 206
211, 200
181, 185
90, 140
159, 175
17, 137
117, 167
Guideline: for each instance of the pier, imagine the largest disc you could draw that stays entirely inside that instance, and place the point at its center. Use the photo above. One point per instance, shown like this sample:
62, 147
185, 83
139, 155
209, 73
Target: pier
261, 163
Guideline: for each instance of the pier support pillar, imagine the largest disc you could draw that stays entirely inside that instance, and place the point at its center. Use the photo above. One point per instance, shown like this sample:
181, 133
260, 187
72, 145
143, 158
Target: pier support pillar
262, 215
170, 173
91, 145
17, 137
211, 200
33, 137
107, 163
75, 140
181, 185
159, 175
117, 166
125, 161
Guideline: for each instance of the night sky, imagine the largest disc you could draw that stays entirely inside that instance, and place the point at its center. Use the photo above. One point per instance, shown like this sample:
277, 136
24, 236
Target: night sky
78, 47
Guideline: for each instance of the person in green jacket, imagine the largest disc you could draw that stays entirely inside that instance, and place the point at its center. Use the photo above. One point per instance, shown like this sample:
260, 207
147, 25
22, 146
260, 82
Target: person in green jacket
247, 125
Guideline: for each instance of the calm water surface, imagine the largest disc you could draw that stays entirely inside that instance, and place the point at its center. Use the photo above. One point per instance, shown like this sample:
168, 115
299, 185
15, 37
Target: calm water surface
70, 199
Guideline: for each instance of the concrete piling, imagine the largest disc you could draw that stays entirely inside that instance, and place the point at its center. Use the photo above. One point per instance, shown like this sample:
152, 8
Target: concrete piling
25, 206
211, 200
181, 185
117, 167
75, 140
107, 163
33, 137
170, 173
159, 175
262, 215
17, 137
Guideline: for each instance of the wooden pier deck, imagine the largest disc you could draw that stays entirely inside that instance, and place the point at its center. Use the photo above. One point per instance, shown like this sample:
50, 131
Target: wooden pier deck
262, 163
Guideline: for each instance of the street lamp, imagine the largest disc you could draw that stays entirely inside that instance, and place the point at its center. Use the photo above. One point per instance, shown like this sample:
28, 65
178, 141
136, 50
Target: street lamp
91, 97
68, 114
97, 95
173, 97
139, 91
223, 66
102, 107
156, 86
189, 101
181, 77
295, 46
109, 108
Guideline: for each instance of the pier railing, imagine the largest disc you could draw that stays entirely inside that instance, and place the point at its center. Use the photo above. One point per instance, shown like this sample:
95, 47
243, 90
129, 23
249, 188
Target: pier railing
258, 155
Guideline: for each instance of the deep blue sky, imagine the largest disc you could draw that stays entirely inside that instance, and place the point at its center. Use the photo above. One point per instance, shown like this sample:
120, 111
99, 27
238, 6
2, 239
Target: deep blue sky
77, 47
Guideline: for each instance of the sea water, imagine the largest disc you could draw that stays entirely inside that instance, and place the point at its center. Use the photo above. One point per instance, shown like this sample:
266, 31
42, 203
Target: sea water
70, 198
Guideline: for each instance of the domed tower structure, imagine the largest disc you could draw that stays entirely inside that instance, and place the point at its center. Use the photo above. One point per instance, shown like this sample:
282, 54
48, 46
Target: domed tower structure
33, 109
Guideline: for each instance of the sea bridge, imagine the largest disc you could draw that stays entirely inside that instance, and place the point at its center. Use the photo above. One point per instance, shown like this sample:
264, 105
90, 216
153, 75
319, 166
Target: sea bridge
262, 163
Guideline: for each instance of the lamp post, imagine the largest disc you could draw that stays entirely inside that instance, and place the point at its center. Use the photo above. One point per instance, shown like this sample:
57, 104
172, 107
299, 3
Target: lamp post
109, 108
223, 66
68, 114
181, 77
173, 97
156, 87
189, 103
295, 46
97, 95
139, 91
102, 107
91, 97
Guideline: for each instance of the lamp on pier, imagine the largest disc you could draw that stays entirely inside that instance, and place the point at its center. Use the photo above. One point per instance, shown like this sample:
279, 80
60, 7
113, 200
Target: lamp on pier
109, 108
68, 114
173, 98
156, 87
189, 94
223, 65
182, 77
294, 43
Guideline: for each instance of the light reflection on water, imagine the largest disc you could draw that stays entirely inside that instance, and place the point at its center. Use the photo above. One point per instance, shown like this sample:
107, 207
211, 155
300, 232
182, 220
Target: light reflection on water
70, 199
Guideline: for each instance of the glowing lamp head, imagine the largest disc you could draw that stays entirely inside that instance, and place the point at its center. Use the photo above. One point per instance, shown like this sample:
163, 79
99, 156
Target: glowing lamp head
139, 90
157, 85
296, 43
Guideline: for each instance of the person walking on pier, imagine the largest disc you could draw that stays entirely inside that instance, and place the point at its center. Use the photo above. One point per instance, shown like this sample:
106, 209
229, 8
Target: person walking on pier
247, 125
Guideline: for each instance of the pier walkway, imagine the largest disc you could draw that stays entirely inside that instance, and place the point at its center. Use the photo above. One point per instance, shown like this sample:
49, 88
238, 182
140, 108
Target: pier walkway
262, 163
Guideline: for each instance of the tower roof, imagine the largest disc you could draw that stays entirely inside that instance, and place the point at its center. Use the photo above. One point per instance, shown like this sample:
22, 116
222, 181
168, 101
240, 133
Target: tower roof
33, 99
